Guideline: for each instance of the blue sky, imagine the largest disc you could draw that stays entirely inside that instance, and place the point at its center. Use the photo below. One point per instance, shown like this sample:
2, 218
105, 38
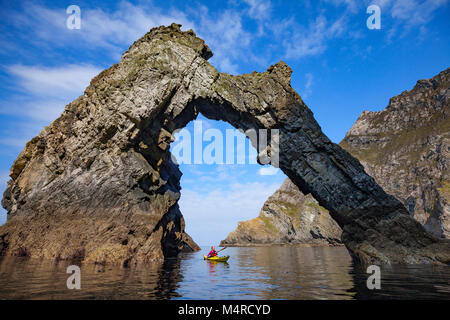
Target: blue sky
340, 68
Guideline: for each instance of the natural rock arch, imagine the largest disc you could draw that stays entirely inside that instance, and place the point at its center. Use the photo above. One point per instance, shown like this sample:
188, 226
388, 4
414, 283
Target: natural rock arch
99, 183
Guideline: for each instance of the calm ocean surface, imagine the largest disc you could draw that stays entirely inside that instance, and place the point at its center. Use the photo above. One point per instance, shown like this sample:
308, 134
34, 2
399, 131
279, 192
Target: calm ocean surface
251, 273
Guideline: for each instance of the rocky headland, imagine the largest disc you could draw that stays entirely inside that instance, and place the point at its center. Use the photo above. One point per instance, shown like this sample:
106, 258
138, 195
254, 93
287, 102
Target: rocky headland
288, 217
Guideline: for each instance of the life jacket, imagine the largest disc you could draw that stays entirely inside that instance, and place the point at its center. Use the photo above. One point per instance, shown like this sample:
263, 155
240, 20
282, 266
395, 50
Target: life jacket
212, 253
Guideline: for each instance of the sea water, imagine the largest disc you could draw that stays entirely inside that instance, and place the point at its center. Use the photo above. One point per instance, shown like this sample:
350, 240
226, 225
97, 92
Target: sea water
274, 272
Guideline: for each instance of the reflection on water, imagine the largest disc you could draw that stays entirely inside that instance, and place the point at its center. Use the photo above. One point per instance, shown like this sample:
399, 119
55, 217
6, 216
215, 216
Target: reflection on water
251, 273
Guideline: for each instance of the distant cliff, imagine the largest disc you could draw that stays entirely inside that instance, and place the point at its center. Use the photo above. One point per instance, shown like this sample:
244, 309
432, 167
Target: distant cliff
404, 147
288, 216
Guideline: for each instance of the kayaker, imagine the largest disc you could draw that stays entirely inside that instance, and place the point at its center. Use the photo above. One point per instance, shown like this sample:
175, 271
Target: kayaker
212, 253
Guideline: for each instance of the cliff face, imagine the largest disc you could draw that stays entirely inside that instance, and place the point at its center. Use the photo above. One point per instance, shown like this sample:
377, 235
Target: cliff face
99, 183
406, 149
287, 217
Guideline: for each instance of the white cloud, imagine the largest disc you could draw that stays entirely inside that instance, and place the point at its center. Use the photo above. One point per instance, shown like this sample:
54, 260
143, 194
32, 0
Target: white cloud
381, 3
405, 14
403, 9
308, 85
308, 43
313, 40
2, 216
14, 142
40, 110
226, 36
66, 80
414, 12
114, 30
223, 31
225, 65
4, 177
260, 10
268, 171
408, 14
351, 5
14, 134
44, 91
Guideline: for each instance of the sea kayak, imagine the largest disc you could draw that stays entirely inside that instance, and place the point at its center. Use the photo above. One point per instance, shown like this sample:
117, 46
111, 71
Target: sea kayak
220, 259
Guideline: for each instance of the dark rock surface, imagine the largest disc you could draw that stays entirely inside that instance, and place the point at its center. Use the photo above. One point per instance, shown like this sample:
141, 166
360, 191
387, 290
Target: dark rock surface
287, 217
99, 183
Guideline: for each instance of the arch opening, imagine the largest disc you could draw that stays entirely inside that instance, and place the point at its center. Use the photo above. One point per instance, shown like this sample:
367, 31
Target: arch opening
226, 186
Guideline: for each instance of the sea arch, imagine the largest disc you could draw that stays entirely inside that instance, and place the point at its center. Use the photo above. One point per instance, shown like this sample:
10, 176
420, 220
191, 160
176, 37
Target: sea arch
99, 184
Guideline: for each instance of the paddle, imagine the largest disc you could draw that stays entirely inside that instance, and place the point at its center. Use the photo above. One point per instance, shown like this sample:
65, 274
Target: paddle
221, 249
